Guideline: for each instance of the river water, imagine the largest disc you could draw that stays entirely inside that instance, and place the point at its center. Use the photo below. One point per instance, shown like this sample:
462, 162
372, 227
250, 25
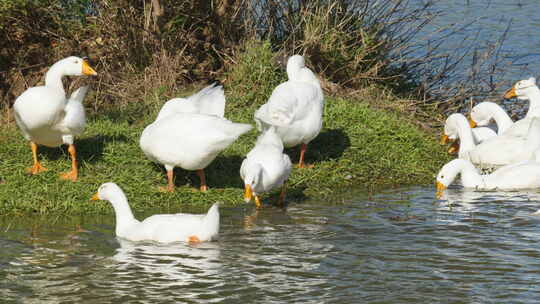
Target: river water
488, 20
493, 59
398, 246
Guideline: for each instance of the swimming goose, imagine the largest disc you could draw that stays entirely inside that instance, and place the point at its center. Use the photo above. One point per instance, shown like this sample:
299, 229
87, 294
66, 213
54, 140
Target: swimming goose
456, 127
265, 167
190, 140
524, 90
497, 151
505, 149
523, 175
294, 108
164, 228
46, 117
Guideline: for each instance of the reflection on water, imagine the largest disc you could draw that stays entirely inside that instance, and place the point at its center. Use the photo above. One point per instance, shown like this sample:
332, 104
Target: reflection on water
159, 271
399, 246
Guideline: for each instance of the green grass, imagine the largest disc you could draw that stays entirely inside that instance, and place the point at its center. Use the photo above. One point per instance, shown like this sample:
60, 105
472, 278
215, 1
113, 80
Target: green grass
358, 147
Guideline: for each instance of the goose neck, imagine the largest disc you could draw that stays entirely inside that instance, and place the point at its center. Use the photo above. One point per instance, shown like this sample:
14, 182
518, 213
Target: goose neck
470, 178
502, 119
53, 78
534, 102
465, 136
124, 215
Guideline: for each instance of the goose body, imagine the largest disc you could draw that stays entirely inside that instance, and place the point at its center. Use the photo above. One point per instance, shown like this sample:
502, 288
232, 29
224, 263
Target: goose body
164, 228
497, 151
209, 101
505, 150
190, 140
523, 175
295, 107
265, 167
46, 117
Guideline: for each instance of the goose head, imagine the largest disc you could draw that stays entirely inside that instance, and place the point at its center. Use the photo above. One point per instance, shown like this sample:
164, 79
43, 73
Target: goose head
294, 64
451, 127
481, 114
448, 173
296, 61
74, 66
109, 192
252, 179
522, 89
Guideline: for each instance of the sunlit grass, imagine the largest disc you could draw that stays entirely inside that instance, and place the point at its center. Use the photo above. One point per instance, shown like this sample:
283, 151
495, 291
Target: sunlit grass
358, 147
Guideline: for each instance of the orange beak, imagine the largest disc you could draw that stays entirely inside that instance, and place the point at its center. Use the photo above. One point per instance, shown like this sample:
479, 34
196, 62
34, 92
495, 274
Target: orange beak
440, 187
87, 70
510, 93
454, 148
472, 123
444, 139
248, 193
95, 197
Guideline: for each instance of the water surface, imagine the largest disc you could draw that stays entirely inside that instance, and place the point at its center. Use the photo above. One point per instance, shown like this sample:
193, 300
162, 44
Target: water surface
400, 246
487, 20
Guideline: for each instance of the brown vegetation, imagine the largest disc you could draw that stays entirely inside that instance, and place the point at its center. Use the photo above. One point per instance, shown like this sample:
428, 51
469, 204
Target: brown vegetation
151, 49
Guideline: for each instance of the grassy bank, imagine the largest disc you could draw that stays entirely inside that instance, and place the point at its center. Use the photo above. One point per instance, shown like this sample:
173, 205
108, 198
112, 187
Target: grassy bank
358, 147
381, 136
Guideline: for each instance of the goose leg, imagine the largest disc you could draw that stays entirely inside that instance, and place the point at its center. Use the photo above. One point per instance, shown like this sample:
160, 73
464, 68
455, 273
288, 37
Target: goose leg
281, 200
37, 167
170, 181
303, 149
258, 202
301, 164
202, 177
73, 174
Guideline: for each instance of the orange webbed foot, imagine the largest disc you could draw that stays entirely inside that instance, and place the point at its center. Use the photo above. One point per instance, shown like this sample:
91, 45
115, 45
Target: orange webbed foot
166, 189
193, 240
36, 168
71, 175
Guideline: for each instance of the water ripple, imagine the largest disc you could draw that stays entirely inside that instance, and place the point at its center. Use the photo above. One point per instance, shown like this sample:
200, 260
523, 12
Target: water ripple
400, 246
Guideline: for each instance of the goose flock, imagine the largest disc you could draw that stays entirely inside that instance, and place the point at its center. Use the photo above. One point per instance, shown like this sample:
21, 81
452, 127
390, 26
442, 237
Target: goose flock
187, 133
190, 132
511, 154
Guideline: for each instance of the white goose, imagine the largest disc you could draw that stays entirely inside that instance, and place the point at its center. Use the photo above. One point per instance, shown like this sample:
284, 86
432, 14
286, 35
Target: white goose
497, 151
457, 127
45, 116
483, 113
294, 108
505, 150
523, 175
265, 167
210, 101
164, 228
191, 140
524, 90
